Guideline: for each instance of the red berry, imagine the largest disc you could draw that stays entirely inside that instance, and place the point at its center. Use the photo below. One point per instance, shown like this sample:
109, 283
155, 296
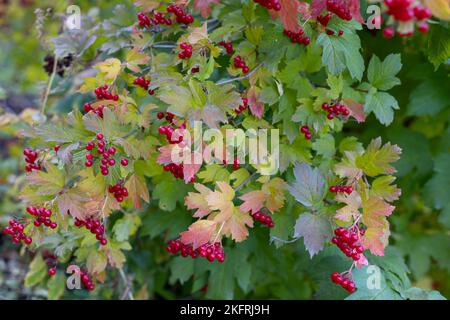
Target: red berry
124, 162
51, 271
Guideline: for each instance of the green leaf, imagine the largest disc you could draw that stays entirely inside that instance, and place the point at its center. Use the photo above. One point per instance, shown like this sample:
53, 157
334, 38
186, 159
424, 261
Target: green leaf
181, 269
56, 286
309, 185
429, 98
382, 104
126, 227
214, 173
421, 294
169, 192
382, 74
239, 176
315, 230
438, 48
324, 146
37, 271
377, 159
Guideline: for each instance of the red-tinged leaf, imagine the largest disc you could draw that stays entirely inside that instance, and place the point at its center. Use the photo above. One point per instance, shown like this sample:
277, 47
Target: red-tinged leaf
356, 110
350, 210
288, 14
198, 200
137, 189
355, 8
253, 201
274, 190
147, 5
376, 239
222, 200
256, 106
204, 6
72, 202
165, 154
375, 211
236, 225
317, 6
199, 233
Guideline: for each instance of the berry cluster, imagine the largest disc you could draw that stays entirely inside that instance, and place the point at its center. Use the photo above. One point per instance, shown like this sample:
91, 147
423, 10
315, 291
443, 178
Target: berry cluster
323, 20
103, 152
240, 64
208, 251
51, 261
236, 164
270, 4
15, 230
403, 11
95, 226
341, 189
344, 281
263, 218
306, 132
89, 108
158, 18
169, 117
335, 110
144, 84
87, 281
43, 216
242, 107
102, 93
30, 158
227, 45
331, 32
61, 64
339, 8
348, 242
177, 170
297, 37
168, 132
186, 51
182, 16
119, 191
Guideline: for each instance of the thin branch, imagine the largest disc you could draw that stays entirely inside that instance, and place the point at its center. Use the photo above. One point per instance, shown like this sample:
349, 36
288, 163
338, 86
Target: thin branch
127, 285
246, 181
272, 238
225, 81
163, 46
49, 85
148, 42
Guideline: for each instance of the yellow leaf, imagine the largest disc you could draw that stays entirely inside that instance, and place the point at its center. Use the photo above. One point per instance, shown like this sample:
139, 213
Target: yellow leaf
222, 200
236, 225
134, 58
198, 200
137, 188
109, 68
439, 8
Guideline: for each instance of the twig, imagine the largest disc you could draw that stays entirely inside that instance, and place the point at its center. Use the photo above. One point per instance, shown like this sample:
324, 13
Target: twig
163, 46
272, 238
225, 81
148, 42
49, 85
246, 181
127, 285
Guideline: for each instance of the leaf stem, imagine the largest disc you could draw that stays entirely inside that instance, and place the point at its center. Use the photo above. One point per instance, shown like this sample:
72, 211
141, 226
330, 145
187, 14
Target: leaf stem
49, 85
246, 181
225, 81
127, 290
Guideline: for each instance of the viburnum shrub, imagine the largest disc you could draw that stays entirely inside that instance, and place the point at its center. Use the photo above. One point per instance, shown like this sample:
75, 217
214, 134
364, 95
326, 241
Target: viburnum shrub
179, 68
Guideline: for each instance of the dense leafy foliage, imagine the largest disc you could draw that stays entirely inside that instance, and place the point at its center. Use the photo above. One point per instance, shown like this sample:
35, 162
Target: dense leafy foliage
363, 150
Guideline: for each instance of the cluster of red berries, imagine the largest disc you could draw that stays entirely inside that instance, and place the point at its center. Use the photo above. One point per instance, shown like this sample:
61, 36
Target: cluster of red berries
297, 37
402, 11
120, 192
207, 250
102, 93
177, 170
144, 84
263, 218
341, 189
236, 164
306, 132
227, 45
43, 216
104, 152
168, 132
98, 111
87, 281
169, 116
15, 230
335, 110
186, 51
242, 107
30, 158
331, 32
348, 242
323, 20
270, 4
182, 16
158, 18
240, 64
339, 8
95, 226
343, 281
51, 261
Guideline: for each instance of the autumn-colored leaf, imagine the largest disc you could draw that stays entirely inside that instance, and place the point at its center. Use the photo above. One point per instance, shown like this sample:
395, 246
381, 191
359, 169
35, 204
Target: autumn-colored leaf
109, 68
376, 239
137, 188
204, 6
375, 211
254, 103
222, 200
198, 200
288, 14
199, 233
236, 225
253, 201
351, 209
377, 159
135, 58
356, 110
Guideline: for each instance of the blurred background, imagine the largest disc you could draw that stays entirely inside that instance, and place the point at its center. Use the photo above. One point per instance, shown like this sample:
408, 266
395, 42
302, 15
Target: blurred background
420, 223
